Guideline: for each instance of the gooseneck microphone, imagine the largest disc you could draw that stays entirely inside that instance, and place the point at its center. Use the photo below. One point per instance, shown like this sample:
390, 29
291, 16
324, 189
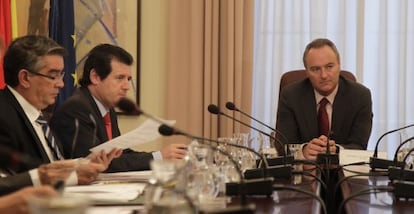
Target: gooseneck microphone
275, 161
328, 158
166, 130
261, 184
385, 134
129, 107
232, 107
378, 163
266, 171
395, 172
75, 137
404, 185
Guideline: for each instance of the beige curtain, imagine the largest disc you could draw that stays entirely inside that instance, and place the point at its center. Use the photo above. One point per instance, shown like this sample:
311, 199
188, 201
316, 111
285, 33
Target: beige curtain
209, 60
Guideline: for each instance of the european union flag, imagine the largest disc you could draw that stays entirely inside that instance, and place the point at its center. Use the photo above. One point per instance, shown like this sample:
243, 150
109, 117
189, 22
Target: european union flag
62, 30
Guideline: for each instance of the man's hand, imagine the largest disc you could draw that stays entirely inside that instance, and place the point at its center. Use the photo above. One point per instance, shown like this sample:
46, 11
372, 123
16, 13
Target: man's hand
55, 171
174, 151
104, 158
88, 172
316, 146
17, 202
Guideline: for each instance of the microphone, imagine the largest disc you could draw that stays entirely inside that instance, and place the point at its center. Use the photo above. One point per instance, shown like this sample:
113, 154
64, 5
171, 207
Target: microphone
243, 188
273, 161
397, 171
253, 186
75, 137
377, 163
328, 158
129, 107
95, 129
404, 188
231, 106
283, 172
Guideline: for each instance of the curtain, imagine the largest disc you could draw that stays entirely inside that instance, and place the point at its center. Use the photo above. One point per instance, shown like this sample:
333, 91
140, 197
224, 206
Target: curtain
375, 40
209, 61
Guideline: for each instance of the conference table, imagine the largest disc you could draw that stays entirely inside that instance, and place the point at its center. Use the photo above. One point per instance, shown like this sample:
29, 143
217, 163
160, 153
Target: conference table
383, 202
281, 201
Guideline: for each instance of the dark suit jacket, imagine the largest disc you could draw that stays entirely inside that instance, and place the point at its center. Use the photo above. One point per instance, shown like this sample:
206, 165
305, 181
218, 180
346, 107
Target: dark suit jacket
81, 105
351, 114
15, 182
18, 134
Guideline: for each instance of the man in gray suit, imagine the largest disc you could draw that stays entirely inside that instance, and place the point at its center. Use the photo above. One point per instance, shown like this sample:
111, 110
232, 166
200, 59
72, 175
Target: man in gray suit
348, 108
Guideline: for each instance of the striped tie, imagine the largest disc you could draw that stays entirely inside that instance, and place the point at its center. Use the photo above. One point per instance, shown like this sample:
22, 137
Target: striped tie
49, 138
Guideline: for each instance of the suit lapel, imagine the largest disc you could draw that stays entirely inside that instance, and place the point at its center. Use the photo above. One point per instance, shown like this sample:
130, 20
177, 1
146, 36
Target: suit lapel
339, 108
100, 124
308, 104
28, 125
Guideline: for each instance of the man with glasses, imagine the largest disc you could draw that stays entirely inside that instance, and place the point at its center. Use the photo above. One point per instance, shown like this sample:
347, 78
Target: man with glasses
33, 70
105, 80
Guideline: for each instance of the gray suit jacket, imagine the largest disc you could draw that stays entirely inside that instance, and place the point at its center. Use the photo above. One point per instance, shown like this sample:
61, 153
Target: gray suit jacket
14, 182
351, 114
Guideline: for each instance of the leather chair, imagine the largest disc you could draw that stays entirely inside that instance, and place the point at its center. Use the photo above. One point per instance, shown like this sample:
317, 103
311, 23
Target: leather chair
296, 75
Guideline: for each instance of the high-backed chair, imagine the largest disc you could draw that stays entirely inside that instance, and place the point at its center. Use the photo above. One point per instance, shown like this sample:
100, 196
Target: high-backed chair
294, 76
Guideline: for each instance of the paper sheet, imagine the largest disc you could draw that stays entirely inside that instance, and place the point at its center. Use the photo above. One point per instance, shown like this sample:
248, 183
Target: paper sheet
121, 192
145, 133
348, 156
133, 176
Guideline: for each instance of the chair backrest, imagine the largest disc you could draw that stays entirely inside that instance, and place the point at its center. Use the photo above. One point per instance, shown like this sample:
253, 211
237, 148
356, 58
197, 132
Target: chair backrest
296, 75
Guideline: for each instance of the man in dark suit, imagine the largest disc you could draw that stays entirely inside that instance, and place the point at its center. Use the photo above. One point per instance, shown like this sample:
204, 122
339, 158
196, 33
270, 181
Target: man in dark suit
105, 80
33, 70
348, 107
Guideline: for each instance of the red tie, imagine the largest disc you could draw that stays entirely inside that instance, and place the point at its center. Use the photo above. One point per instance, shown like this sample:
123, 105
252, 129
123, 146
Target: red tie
323, 119
108, 126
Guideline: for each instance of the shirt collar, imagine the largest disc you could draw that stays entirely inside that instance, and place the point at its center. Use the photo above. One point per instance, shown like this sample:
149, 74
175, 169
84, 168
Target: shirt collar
330, 97
101, 107
31, 112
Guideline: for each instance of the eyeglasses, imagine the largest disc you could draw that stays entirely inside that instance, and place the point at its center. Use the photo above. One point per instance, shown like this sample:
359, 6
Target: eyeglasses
55, 76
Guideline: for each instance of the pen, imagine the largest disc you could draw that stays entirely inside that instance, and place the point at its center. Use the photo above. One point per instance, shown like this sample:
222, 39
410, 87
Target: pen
59, 186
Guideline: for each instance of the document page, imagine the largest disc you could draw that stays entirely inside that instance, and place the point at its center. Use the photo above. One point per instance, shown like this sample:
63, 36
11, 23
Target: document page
146, 132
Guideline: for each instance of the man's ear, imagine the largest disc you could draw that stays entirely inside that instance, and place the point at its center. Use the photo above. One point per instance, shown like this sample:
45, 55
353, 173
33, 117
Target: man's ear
23, 78
94, 77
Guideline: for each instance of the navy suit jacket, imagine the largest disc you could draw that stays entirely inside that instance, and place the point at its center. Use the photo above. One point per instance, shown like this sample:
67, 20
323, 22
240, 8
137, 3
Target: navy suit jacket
351, 114
82, 106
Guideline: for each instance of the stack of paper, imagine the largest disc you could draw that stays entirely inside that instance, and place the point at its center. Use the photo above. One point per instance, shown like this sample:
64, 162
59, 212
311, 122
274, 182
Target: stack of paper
134, 176
121, 192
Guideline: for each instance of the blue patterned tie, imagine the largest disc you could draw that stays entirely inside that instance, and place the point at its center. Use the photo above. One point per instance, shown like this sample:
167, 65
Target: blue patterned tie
49, 138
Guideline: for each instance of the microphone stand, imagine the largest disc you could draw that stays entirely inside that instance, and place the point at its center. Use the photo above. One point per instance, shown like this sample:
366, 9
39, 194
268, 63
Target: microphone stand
396, 171
404, 188
378, 163
275, 161
241, 189
232, 107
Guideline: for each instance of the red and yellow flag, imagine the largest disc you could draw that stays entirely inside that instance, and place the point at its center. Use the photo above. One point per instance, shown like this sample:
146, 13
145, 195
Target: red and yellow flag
5, 34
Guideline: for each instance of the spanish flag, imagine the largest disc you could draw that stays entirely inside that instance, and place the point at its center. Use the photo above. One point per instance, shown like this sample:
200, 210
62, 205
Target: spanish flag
5, 34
